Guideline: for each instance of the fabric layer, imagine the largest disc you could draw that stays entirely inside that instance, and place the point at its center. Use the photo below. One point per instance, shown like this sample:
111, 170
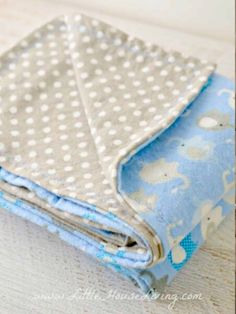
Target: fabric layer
104, 141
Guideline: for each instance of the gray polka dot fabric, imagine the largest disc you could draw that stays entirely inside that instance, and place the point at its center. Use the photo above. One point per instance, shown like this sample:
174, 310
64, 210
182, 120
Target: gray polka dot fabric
77, 99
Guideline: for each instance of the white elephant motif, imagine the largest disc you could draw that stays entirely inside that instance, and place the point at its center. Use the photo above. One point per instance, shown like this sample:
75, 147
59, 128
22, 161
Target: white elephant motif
162, 171
178, 253
140, 200
230, 197
214, 121
210, 222
201, 212
194, 148
227, 185
231, 96
208, 216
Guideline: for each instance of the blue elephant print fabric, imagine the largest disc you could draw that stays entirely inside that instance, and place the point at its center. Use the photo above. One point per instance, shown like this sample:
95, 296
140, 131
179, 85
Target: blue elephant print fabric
122, 149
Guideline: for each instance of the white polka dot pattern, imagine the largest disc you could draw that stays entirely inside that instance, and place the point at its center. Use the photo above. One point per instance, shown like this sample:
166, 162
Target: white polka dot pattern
77, 97
133, 91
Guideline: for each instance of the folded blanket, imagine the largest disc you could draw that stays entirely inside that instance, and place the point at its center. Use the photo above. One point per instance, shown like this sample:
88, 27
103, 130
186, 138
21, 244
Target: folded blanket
122, 149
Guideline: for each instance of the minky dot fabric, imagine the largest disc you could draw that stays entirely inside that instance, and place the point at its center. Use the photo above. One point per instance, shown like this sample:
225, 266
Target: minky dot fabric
116, 145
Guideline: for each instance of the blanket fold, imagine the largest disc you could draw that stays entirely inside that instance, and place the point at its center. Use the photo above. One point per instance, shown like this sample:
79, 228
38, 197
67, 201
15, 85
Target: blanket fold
116, 145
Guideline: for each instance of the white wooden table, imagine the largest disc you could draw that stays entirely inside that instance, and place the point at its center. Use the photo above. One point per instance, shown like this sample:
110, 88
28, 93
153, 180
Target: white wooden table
41, 274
